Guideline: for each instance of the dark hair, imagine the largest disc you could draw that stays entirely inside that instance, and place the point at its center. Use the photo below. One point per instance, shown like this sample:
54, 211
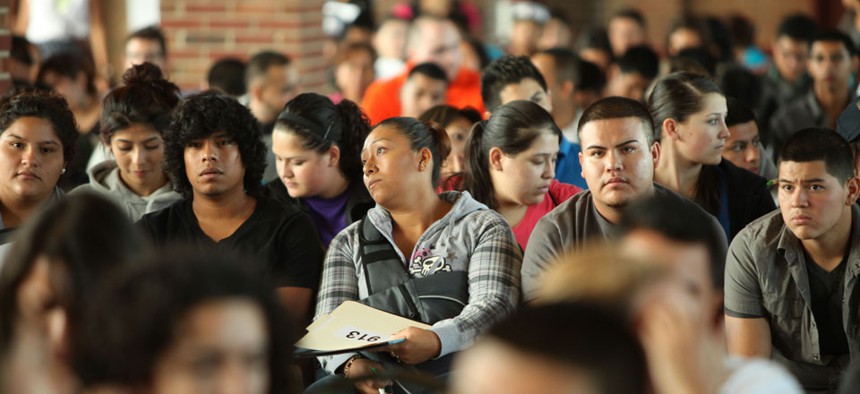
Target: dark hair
513, 128
133, 320
584, 337
68, 65
151, 33
742, 31
146, 98
444, 115
228, 75
346, 52
685, 223
720, 39
689, 22
595, 37
797, 27
44, 105
85, 233
260, 63
640, 59
321, 124
738, 82
429, 70
504, 71
819, 143
632, 14
592, 78
199, 116
479, 49
567, 64
738, 112
835, 36
423, 135
686, 64
616, 107
702, 57
677, 96
20, 50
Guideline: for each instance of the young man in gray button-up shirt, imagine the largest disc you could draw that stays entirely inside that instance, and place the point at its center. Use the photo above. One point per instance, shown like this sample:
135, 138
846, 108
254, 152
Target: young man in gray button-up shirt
791, 275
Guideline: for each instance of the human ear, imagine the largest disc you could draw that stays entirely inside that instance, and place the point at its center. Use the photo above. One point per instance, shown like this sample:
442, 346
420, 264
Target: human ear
670, 127
853, 186
656, 150
333, 155
495, 156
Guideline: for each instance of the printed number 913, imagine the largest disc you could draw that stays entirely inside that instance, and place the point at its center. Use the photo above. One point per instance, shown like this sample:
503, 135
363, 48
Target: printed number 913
361, 337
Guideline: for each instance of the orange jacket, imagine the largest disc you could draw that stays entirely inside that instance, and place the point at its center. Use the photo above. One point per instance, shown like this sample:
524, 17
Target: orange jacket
382, 98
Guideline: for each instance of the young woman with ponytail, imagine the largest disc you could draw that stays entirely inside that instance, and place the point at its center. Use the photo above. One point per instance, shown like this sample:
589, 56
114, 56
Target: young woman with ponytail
316, 145
133, 121
690, 111
444, 259
511, 165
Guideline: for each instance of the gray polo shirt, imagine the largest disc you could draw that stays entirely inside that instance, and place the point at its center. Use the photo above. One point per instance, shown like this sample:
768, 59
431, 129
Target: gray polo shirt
572, 225
766, 277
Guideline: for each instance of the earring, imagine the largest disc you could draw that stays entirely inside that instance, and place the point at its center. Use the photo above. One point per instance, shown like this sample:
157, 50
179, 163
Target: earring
63, 171
421, 166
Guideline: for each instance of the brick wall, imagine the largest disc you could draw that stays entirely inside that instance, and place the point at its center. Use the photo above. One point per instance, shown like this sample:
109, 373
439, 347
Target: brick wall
201, 31
5, 45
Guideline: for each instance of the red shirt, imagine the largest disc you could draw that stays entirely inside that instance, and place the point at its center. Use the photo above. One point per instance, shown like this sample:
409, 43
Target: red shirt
382, 98
557, 194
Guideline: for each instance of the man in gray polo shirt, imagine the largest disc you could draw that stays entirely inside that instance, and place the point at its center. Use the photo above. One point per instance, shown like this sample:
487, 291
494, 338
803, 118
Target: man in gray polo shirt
791, 275
620, 150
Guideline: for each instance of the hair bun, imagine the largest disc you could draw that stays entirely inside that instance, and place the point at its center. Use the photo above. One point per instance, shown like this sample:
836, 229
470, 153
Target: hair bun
146, 73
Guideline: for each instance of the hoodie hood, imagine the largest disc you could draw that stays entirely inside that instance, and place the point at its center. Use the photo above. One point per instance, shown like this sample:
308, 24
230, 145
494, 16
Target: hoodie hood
105, 179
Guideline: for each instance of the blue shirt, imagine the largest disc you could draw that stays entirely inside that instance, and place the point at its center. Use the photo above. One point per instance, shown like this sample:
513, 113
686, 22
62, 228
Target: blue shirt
567, 167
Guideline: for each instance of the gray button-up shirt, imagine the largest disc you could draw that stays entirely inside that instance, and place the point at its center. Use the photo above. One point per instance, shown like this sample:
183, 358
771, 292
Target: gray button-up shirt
766, 277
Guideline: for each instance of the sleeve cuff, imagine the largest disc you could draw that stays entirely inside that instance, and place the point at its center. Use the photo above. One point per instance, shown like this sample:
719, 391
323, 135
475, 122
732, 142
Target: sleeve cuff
449, 337
331, 363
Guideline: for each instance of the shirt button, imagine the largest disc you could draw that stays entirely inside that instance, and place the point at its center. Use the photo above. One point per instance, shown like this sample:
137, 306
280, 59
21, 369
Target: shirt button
815, 357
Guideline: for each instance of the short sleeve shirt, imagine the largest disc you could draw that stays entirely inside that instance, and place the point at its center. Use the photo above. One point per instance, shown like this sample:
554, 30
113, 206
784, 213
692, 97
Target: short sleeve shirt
767, 276
279, 240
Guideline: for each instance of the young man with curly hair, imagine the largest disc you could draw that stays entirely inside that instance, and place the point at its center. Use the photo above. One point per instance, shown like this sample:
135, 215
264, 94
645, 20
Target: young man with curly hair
215, 154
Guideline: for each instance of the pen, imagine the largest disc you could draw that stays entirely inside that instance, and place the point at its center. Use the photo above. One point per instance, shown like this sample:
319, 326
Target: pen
373, 372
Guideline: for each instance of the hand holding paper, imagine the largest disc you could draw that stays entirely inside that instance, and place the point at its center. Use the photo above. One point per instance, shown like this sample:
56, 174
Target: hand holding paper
419, 346
354, 327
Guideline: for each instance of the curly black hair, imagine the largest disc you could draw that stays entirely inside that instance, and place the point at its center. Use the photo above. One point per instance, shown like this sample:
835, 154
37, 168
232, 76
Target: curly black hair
203, 114
44, 105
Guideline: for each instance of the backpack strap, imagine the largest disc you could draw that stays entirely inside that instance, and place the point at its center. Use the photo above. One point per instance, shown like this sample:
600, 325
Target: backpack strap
383, 268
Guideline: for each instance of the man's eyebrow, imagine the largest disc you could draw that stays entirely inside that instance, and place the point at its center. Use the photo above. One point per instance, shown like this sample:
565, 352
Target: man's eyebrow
810, 180
633, 141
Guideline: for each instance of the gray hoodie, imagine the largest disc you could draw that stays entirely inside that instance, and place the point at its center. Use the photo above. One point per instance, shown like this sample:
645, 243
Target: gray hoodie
470, 238
104, 178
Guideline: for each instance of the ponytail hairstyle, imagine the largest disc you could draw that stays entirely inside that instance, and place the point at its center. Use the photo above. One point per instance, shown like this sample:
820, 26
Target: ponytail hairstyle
422, 135
145, 98
513, 128
677, 96
321, 124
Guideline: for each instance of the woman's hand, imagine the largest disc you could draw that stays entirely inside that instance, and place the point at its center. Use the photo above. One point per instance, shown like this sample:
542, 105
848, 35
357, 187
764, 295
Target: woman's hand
363, 368
420, 345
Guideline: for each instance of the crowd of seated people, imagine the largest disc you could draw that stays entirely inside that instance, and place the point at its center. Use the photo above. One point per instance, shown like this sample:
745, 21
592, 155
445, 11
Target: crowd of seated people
576, 209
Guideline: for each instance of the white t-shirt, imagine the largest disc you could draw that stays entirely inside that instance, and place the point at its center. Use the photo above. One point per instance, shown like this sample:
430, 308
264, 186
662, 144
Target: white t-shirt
52, 20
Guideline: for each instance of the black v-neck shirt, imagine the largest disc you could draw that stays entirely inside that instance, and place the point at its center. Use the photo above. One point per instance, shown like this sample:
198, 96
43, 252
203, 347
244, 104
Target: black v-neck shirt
279, 240
825, 289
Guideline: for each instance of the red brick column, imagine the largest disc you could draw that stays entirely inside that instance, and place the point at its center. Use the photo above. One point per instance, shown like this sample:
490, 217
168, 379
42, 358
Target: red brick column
5, 45
201, 31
